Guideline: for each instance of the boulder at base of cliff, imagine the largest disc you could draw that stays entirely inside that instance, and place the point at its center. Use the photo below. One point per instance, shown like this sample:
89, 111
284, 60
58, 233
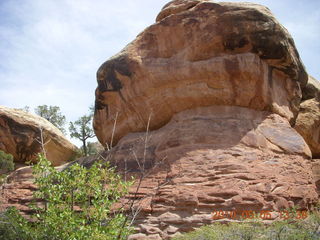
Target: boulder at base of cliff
20, 135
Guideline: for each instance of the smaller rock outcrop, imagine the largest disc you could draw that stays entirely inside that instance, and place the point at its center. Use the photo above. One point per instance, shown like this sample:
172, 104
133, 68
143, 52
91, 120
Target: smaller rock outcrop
20, 135
312, 89
308, 124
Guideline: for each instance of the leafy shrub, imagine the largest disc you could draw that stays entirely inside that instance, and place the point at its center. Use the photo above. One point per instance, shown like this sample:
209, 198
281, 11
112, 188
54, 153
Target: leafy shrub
6, 162
308, 229
76, 204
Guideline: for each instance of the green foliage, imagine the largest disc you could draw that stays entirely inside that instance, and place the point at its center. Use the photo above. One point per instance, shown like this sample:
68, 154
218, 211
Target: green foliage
82, 130
307, 229
6, 162
93, 148
53, 115
13, 226
76, 205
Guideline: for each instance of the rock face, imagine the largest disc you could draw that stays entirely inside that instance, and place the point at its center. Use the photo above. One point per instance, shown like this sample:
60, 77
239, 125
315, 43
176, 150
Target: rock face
202, 103
205, 159
199, 53
308, 124
215, 158
20, 135
216, 88
18, 191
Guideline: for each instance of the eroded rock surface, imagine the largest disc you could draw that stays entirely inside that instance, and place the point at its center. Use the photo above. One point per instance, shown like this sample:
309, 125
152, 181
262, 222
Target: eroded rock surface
20, 136
215, 158
308, 124
312, 89
217, 87
199, 53
205, 159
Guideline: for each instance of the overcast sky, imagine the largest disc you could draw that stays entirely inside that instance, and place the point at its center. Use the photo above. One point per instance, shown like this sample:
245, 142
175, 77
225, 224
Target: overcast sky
50, 50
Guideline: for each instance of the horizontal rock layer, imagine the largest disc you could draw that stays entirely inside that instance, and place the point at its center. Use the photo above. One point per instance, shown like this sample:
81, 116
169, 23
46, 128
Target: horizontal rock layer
205, 159
214, 158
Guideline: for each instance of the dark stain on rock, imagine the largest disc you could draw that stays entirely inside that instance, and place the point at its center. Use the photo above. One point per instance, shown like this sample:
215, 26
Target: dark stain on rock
110, 82
99, 105
26, 149
99, 102
235, 41
267, 49
270, 70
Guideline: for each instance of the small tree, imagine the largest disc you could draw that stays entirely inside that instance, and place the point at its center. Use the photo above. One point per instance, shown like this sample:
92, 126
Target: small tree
53, 115
82, 130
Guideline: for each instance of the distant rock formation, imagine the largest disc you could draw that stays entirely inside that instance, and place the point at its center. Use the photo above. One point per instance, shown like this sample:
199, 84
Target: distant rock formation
20, 135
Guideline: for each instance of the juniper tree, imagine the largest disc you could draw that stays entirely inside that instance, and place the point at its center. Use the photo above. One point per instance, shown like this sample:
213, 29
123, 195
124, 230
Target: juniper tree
82, 130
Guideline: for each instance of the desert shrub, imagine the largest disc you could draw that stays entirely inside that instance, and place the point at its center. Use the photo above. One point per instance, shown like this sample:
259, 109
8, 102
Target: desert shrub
76, 204
6, 165
6, 162
307, 229
13, 226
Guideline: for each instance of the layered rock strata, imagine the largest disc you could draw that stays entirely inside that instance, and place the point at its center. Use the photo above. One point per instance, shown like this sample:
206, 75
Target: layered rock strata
218, 158
204, 100
206, 159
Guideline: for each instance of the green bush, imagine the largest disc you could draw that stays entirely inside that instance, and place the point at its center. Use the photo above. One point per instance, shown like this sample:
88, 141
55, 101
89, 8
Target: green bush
76, 204
307, 229
6, 162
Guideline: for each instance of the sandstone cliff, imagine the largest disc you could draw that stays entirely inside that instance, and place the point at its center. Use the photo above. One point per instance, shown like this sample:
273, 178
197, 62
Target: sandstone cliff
219, 86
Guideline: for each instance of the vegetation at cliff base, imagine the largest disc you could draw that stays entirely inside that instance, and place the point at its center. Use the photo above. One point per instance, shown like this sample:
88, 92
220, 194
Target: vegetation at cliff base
6, 162
75, 203
6, 165
307, 229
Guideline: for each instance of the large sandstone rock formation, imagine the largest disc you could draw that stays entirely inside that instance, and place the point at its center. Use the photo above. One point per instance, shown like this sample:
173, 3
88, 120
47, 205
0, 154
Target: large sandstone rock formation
219, 86
205, 159
199, 53
20, 135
